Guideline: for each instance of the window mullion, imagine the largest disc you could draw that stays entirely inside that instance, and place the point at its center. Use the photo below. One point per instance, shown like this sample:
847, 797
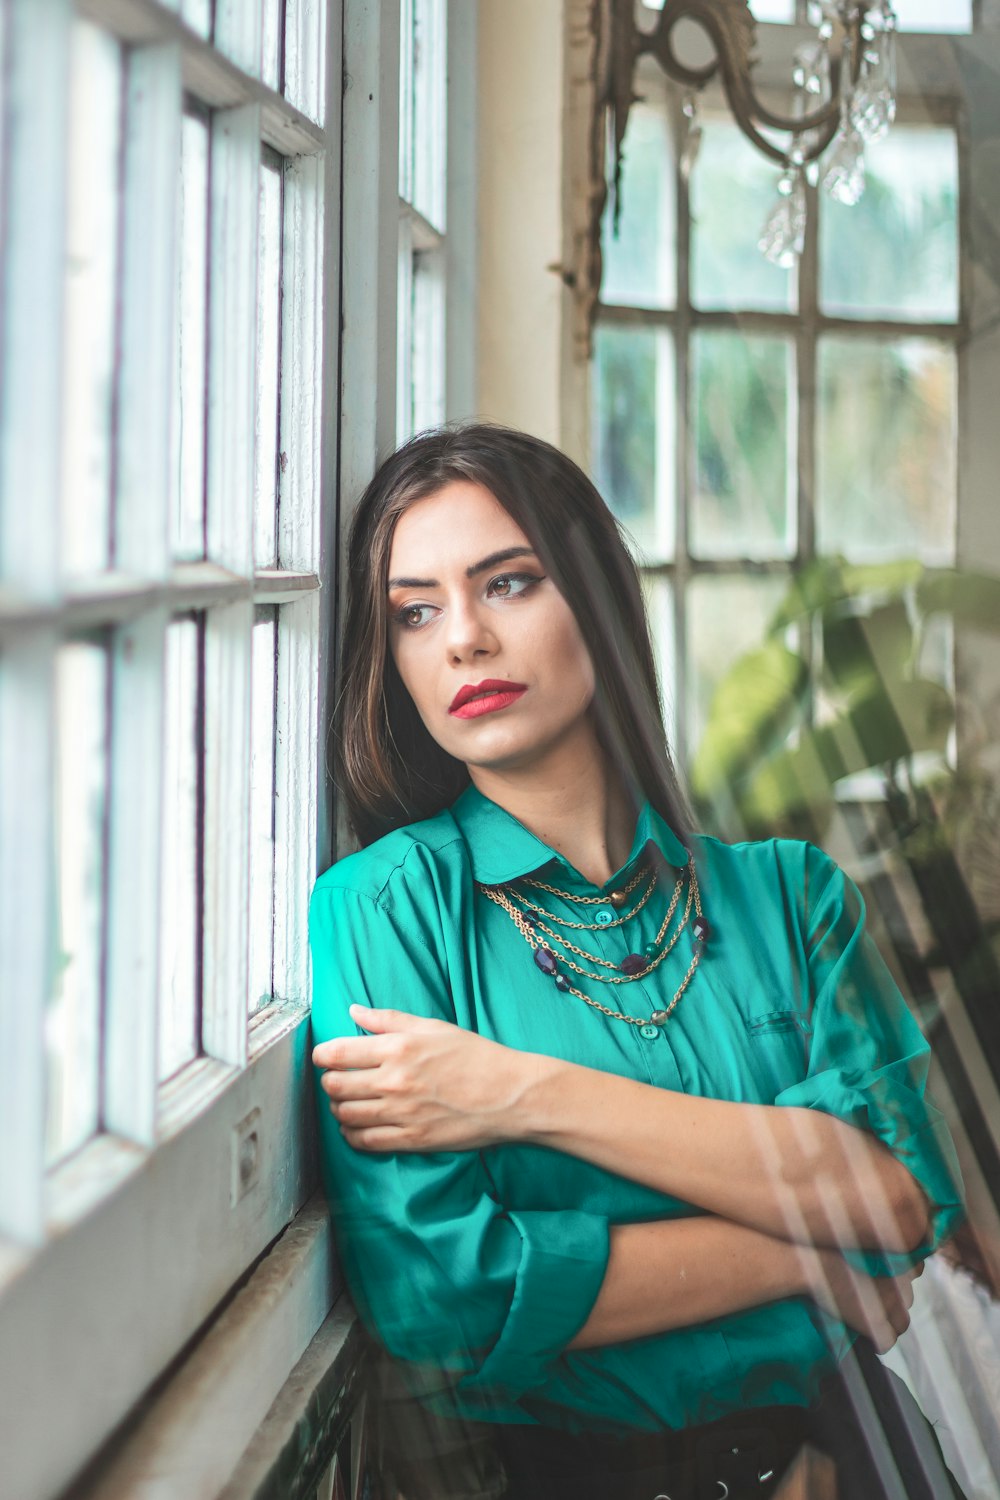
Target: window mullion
228, 628
154, 101
37, 41
27, 929
36, 47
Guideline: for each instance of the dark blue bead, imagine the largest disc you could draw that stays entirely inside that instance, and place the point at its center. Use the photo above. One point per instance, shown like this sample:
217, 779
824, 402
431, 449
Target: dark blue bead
634, 963
546, 961
702, 929
562, 983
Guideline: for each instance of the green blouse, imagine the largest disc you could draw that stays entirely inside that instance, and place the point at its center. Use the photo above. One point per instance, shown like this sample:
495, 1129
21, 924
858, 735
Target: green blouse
476, 1268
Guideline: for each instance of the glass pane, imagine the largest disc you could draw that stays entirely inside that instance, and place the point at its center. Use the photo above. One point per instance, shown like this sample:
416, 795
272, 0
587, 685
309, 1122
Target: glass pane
634, 432
187, 519
429, 108
72, 1020
744, 464
725, 617
640, 263
198, 15
268, 345
733, 189
428, 340
265, 648
272, 22
659, 596
89, 292
179, 928
887, 449
763, 10
895, 253
934, 15
406, 100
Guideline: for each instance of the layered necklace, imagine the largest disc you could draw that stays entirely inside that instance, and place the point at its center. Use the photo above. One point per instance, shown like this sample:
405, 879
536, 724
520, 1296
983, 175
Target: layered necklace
533, 923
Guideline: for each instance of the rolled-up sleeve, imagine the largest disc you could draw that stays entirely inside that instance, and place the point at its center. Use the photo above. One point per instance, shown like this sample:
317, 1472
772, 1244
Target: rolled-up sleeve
480, 1298
868, 1059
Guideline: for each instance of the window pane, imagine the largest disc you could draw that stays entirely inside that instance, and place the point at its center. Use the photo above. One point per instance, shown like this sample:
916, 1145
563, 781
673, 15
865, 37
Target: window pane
427, 364
72, 1021
272, 22
429, 109
640, 264
733, 189
188, 427
725, 617
742, 504
658, 593
265, 647
895, 253
179, 928
89, 289
887, 449
934, 15
763, 10
634, 432
268, 337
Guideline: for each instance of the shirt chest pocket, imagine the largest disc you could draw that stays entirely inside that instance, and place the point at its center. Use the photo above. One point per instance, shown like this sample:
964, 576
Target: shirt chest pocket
774, 1023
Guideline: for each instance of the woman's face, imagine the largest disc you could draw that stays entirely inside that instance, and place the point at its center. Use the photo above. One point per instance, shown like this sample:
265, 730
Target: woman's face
485, 644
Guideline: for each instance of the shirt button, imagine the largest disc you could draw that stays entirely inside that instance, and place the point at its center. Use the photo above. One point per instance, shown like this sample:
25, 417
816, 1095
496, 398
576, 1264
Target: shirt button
649, 1032
605, 917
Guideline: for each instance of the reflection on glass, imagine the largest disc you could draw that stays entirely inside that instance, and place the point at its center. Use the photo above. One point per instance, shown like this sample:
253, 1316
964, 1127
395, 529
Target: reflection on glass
268, 341
732, 192
179, 926
265, 646
187, 512
742, 504
725, 617
640, 263
270, 61
895, 253
89, 293
887, 438
72, 1019
633, 427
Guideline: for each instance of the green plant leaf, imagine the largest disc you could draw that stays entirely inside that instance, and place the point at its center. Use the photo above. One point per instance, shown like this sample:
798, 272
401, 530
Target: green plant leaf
752, 709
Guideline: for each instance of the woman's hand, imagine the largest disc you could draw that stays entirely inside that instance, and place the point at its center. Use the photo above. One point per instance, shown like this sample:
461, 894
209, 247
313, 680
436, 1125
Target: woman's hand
877, 1306
421, 1085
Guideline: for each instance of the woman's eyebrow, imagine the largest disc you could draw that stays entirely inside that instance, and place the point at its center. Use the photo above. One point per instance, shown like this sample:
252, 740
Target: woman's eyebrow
494, 559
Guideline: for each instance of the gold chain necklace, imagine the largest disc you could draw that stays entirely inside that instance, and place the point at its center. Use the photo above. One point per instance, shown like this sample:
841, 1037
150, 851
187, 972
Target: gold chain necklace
634, 966
615, 898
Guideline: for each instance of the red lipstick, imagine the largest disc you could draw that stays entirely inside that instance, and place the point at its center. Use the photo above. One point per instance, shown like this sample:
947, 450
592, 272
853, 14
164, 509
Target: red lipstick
485, 697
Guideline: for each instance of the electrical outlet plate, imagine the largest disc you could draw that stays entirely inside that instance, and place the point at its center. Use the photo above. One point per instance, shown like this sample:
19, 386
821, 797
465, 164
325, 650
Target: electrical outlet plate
246, 1148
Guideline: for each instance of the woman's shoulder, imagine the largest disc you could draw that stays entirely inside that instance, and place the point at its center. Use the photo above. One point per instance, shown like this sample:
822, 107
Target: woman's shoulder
786, 864
400, 861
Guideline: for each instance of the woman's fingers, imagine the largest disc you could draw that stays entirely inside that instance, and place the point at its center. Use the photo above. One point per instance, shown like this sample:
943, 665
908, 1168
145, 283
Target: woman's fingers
351, 1052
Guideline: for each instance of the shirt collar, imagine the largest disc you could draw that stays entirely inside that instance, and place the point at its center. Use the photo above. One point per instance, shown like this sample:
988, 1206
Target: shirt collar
502, 849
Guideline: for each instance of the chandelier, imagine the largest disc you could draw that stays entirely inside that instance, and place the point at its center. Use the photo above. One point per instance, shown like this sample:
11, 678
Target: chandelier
843, 96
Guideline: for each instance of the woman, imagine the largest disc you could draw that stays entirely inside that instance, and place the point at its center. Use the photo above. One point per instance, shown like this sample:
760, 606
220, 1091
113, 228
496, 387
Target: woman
623, 1129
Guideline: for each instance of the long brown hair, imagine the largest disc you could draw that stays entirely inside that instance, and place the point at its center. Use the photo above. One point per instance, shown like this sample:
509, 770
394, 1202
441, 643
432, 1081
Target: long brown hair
388, 766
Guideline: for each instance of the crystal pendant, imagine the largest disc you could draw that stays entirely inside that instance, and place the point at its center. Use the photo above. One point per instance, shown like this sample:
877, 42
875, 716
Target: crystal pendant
692, 137
844, 178
784, 232
872, 106
812, 68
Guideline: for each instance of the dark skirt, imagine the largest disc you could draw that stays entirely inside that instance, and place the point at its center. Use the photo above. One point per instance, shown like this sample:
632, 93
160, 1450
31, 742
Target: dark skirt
865, 1427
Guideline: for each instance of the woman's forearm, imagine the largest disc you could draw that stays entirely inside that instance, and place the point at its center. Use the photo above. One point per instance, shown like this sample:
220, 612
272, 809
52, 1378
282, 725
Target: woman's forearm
795, 1173
673, 1273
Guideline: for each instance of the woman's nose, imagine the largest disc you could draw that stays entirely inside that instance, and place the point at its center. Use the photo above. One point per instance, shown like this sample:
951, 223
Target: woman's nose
470, 632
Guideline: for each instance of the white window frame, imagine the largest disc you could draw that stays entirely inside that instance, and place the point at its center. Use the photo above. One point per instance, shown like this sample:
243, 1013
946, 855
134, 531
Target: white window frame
112, 1260
143, 1234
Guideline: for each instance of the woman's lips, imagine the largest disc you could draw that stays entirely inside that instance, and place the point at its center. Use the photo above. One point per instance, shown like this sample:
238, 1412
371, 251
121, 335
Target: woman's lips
490, 701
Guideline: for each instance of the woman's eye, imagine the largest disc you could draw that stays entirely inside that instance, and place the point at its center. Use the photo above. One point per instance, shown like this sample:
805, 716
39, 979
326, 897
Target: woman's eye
510, 585
411, 615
